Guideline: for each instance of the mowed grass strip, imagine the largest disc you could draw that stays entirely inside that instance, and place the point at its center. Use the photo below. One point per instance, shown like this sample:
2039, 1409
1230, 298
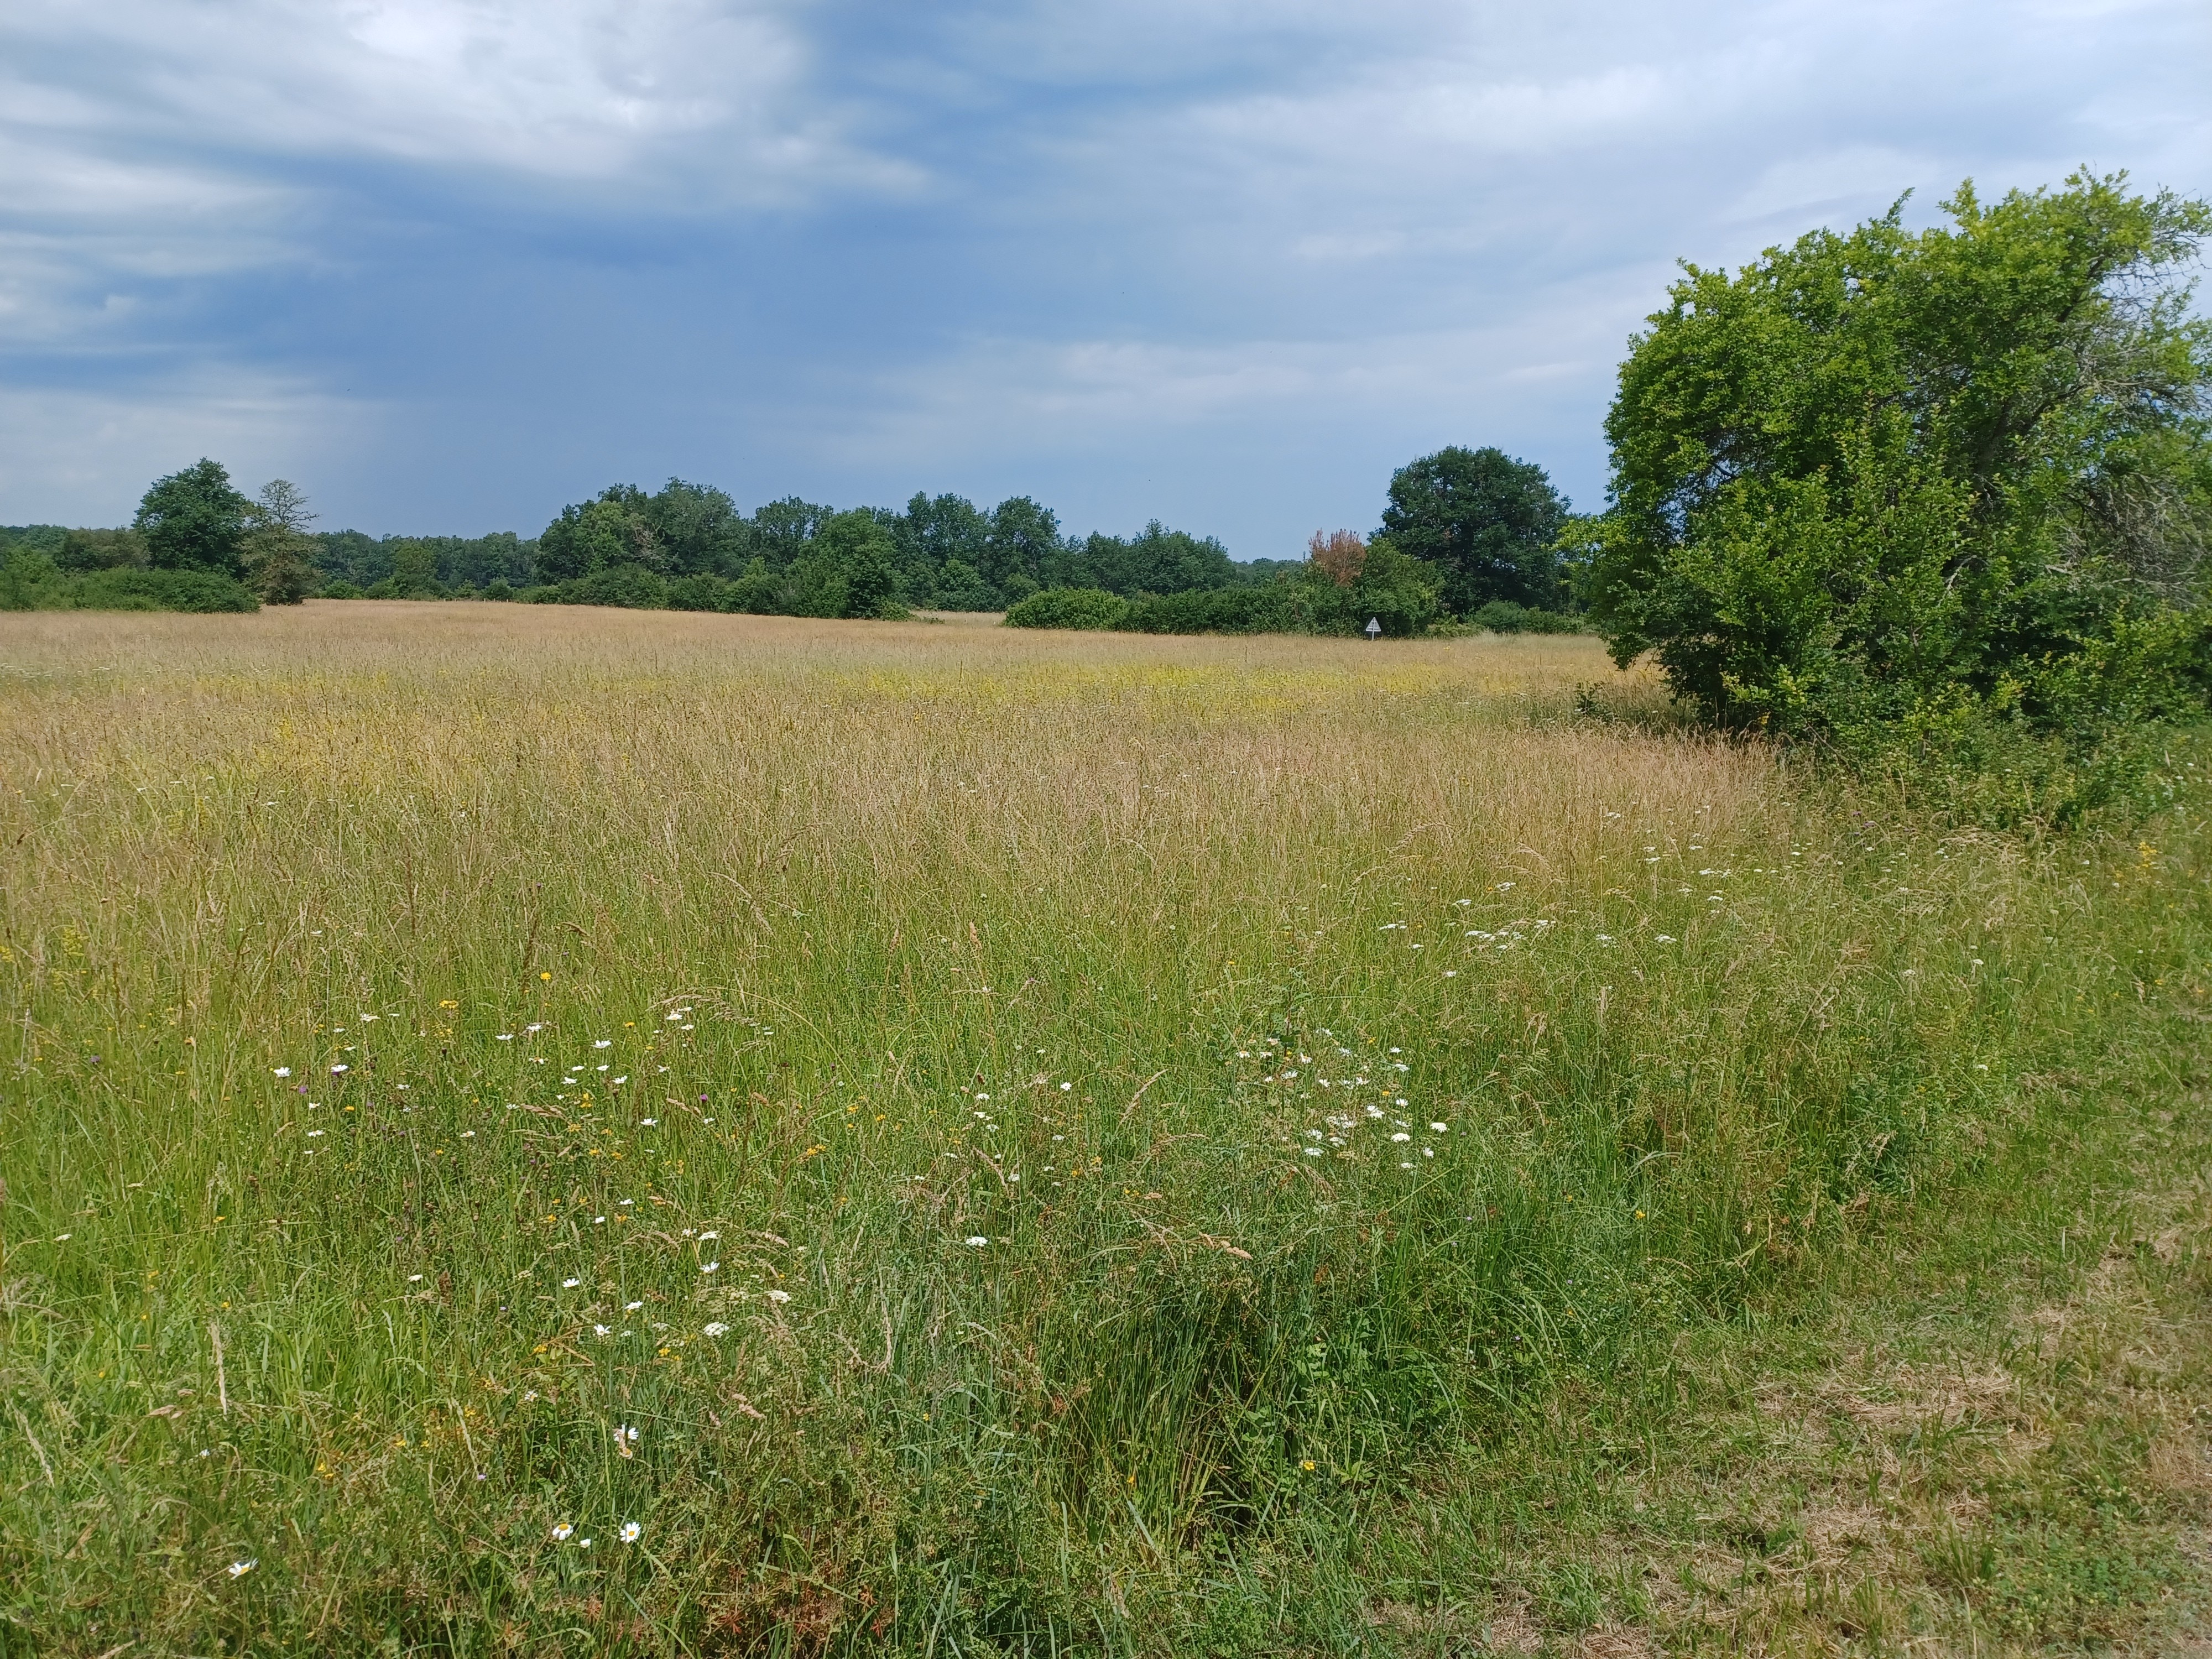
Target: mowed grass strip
944, 1135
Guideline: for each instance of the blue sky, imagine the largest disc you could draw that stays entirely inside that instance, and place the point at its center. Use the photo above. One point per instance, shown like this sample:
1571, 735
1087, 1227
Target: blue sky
449, 264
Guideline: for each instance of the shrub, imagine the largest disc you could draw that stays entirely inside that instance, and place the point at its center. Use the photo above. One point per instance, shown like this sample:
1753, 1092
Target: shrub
1946, 491
1503, 617
701, 592
627, 587
202, 590
344, 590
1273, 610
1069, 607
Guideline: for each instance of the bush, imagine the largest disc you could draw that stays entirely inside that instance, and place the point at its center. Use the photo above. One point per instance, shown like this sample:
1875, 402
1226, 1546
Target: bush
701, 592
1069, 607
626, 586
203, 591
1273, 610
499, 590
1898, 493
759, 592
344, 590
32, 581
1503, 617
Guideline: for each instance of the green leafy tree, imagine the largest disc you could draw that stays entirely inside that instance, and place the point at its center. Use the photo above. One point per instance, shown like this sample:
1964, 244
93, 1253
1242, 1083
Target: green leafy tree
279, 549
1896, 477
1022, 539
849, 568
101, 549
194, 521
697, 530
940, 550
1487, 522
1157, 560
414, 570
782, 529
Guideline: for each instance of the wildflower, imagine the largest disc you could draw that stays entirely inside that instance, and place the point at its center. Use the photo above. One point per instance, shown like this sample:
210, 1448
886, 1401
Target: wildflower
1312, 1151
1428, 1152
630, 1532
283, 1071
632, 1307
603, 1043
1306, 1465
240, 1569
628, 1433
570, 1284
1438, 1128
414, 1279
1065, 1087
715, 1328
561, 1532
710, 1266
703, 1237
978, 1241
643, 1122
1405, 1166
583, 1543
337, 1070
1665, 938
1402, 1136
504, 1036
598, 1221
601, 1330
779, 1296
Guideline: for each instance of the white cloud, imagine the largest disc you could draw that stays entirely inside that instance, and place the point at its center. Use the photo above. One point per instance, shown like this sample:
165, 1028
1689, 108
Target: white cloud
579, 89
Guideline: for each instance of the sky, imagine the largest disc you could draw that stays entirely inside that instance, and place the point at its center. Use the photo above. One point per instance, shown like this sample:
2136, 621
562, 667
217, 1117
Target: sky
448, 264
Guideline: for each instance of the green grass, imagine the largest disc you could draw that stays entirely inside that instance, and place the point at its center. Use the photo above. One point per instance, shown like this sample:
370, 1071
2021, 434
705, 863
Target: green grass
1765, 1109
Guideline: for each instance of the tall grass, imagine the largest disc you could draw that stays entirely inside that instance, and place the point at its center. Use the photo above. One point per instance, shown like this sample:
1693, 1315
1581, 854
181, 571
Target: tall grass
950, 1131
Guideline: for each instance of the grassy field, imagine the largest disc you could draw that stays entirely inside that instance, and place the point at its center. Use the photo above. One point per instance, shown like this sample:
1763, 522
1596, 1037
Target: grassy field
530, 1130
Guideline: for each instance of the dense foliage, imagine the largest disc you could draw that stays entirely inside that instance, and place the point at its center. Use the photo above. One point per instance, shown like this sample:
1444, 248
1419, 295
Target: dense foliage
1954, 485
194, 521
1489, 523
689, 547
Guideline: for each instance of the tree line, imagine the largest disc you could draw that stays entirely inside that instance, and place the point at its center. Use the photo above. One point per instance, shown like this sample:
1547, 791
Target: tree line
1463, 530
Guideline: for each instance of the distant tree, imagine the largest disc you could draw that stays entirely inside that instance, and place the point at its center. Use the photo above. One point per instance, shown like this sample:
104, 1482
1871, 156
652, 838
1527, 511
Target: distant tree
1485, 520
1022, 537
414, 570
101, 549
194, 521
698, 530
1337, 555
848, 569
781, 530
279, 551
940, 551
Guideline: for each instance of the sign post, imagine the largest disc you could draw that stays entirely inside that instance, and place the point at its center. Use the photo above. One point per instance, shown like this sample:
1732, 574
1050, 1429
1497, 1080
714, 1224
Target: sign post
1374, 628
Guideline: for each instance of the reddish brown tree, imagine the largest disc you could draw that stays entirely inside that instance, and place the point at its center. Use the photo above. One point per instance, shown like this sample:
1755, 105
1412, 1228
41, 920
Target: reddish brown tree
1340, 555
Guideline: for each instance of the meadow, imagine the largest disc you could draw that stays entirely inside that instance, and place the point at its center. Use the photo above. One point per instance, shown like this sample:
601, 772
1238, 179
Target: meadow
551, 1130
